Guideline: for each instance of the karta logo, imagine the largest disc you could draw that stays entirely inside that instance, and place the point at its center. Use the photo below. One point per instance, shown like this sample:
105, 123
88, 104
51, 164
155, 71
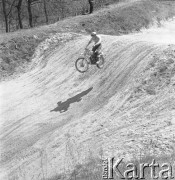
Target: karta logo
133, 171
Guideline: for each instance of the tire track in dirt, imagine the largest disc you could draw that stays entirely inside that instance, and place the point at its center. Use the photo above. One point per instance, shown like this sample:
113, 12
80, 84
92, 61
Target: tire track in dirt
94, 120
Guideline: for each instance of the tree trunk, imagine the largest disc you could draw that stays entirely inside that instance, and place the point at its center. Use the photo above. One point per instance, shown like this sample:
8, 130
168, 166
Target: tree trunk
45, 11
91, 3
19, 14
5, 15
30, 13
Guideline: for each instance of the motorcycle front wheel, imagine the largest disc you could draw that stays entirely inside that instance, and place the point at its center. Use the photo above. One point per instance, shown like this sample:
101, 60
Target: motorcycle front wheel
81, 65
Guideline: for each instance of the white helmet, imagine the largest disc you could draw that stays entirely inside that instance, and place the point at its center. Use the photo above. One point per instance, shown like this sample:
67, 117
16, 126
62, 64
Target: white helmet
93, 34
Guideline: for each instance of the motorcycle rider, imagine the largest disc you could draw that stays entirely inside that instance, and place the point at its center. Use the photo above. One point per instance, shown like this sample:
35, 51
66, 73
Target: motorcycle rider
97, 45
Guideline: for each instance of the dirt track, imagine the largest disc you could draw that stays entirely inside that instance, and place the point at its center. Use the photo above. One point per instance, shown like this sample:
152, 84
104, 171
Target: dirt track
53, 116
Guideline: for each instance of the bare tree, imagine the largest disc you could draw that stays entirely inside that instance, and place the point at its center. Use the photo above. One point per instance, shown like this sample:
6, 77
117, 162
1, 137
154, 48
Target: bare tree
45, 11
29, 7
91, 3
5, 15
18, 6
29, 2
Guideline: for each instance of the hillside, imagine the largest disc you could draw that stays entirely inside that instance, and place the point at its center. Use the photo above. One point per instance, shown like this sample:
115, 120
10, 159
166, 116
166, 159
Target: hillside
17, 49
55, 119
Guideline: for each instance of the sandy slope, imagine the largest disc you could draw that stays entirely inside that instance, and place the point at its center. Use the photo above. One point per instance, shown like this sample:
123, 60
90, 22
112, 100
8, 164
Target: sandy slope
53, 116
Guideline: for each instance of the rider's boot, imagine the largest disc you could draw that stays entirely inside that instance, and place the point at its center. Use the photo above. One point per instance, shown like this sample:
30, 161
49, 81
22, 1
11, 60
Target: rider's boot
97, 57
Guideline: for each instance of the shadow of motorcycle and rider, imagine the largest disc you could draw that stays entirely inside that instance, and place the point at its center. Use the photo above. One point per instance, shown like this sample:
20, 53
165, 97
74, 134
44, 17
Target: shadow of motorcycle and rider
64, 106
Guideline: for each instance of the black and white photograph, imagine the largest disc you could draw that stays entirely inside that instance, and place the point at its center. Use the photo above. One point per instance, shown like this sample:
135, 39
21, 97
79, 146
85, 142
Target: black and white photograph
87, 89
